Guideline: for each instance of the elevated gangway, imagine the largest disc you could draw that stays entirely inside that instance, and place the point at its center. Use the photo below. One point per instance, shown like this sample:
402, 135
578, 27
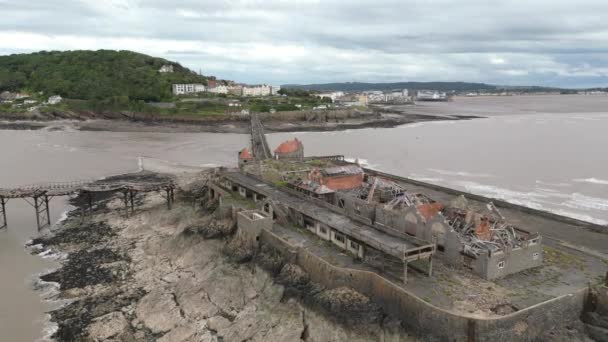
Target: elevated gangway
259, 144
39, 195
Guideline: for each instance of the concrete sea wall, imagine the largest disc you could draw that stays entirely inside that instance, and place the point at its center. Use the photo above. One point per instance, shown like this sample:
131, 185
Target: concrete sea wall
427, 319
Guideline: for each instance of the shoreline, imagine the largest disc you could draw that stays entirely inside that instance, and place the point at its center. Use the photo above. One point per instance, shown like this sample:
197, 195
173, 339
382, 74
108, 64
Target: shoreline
237, 126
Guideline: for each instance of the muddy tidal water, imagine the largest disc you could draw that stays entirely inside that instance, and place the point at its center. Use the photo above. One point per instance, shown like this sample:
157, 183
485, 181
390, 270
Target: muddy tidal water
554, 161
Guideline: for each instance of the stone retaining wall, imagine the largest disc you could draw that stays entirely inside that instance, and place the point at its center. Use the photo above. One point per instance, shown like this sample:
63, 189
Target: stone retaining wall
427, 319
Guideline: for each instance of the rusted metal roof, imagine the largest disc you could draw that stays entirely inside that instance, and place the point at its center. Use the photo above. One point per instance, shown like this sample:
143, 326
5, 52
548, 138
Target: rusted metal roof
245, 154
289, 146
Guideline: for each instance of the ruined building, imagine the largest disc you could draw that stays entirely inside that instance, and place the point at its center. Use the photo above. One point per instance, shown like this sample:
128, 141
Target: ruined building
480, 242
245, 157
290, 150
338, 177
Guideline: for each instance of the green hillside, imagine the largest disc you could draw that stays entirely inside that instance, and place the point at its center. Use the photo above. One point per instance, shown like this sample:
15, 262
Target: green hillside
124, 76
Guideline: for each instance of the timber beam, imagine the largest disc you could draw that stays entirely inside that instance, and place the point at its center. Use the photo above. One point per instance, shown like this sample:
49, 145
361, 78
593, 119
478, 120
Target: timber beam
3, 223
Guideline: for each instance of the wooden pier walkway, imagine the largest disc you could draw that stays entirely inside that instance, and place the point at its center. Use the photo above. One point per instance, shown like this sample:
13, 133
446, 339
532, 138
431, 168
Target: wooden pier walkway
39, 195
259, 145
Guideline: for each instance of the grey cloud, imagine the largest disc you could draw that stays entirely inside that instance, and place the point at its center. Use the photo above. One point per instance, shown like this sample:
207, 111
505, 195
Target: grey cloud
339, 40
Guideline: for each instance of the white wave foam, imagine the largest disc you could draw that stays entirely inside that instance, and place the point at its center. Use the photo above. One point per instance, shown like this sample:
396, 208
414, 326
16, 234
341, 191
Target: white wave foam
49, 328
579, 216
460, 173
140, 163
580, 201
427, 179
536, 200
362, 162
591, 180
553, 184
498, 192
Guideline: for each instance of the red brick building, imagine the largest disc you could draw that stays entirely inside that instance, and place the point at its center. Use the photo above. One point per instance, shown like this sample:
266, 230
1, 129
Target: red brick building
245, 156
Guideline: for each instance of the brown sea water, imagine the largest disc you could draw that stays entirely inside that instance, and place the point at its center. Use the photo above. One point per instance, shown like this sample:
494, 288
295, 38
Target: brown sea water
547, 152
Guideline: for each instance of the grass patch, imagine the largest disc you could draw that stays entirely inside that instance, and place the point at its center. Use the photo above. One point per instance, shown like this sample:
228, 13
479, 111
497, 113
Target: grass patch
562, 259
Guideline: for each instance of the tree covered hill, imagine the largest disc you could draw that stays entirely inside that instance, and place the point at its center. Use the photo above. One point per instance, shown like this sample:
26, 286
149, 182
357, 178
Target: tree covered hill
93, 75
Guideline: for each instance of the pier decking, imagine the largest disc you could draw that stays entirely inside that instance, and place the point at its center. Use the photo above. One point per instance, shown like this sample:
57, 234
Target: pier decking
39, 195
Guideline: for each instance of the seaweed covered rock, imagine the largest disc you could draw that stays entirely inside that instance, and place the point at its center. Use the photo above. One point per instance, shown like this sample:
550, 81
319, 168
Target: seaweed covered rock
349, 306
239, 249
88, 267
270, 259
212, 229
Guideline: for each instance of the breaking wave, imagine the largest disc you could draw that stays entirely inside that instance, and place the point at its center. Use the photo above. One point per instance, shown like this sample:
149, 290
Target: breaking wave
580, 216
580, 201
49, 329
544, 199
362, 162
592, 181
460, 173
553, 184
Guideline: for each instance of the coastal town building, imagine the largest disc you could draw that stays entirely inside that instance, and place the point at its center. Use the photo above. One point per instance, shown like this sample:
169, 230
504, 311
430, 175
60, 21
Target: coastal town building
167, 68
236, 90
55, 99
220, 89
258, 90
183, 89
291, 149
431, 95
274, 90
333, 95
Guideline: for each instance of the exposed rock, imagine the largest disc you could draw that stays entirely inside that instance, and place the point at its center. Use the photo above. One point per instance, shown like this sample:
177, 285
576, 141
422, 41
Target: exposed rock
179, 334
212, 229
217, 322
159, 312
596, 319
111, 325
239, 249
596, 333
350, 306
270, 259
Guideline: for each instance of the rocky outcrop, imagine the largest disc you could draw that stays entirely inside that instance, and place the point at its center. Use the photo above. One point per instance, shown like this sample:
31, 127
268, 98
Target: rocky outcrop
111, 326
596, 320
168, 285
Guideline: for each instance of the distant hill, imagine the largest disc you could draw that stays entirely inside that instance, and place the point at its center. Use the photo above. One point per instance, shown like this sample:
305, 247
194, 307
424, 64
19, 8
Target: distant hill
93, 75
357, 86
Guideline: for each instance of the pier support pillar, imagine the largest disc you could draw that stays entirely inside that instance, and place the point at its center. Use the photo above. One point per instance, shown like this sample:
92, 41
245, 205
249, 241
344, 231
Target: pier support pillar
430, 266
87, 207
405, 272
170, 197
3, 223
132, 200
43, 214
126, 202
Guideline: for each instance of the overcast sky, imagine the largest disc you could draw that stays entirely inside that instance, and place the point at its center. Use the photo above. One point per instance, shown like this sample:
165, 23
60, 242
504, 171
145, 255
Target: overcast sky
523, 42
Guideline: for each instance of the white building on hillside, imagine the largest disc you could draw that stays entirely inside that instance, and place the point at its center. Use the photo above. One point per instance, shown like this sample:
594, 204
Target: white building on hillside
259, 90
333, 96
181, 89
220, 89
55, 99
166, 68
274, 90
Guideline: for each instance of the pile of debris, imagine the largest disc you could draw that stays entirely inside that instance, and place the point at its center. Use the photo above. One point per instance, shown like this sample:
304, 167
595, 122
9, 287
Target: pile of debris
478, 232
